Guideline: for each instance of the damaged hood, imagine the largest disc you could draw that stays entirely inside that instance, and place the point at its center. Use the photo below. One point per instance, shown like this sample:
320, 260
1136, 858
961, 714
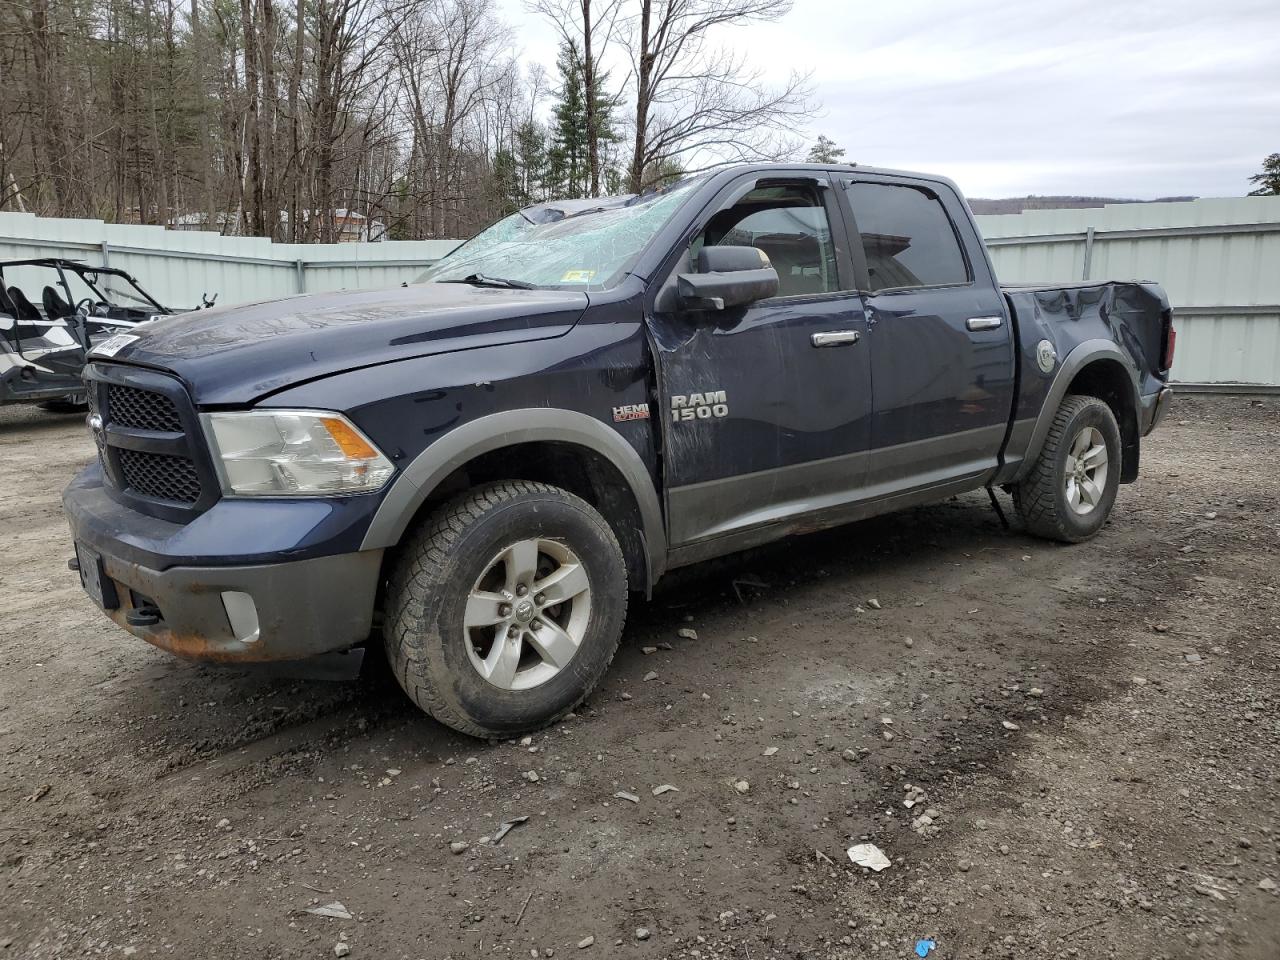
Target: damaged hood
235, 355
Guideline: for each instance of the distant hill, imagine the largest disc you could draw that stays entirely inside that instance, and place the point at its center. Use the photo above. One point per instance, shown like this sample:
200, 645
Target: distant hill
1018, 204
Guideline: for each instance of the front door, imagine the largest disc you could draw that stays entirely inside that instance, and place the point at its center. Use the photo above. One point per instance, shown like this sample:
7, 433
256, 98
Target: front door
767, 407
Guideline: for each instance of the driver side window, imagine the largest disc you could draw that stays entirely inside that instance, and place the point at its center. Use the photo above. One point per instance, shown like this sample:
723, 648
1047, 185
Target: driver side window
789, 223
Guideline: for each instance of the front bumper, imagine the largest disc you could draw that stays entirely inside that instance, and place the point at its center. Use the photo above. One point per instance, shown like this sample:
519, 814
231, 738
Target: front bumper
303, 604
1154, 408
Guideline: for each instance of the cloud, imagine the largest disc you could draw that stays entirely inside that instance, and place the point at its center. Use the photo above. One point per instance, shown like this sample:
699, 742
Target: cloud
1034, 96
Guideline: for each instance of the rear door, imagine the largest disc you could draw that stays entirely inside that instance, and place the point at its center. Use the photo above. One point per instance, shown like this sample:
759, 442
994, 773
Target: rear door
768, 406
941, 350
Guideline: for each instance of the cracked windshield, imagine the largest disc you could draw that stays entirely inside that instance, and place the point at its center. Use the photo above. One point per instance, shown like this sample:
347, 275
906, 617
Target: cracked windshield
552, 247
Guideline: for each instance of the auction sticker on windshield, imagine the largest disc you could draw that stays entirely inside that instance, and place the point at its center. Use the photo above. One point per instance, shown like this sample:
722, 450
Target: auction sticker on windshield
578, 276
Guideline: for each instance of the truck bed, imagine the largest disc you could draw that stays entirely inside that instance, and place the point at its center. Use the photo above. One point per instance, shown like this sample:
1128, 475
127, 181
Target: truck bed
1132, 312
1054, 321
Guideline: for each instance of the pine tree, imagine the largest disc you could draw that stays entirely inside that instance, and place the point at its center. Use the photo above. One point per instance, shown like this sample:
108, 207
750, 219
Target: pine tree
1268, 181
605, 135
568, 158
825, 151
531, 161
506, 183
664, 172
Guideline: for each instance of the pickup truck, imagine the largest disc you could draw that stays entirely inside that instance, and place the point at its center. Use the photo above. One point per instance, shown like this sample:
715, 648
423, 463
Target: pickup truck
477, 470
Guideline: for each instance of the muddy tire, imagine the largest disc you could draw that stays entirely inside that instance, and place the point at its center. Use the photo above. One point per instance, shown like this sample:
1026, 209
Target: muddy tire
505, 608
1069, 493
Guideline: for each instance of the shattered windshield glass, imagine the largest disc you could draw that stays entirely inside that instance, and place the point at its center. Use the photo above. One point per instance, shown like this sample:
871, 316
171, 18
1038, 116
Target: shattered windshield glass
574, 245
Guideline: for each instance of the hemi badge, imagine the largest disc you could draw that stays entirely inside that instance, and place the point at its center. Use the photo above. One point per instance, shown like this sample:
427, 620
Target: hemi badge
631, 411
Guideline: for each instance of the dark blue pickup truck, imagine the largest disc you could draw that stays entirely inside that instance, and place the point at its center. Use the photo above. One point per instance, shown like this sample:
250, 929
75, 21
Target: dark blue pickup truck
479, 469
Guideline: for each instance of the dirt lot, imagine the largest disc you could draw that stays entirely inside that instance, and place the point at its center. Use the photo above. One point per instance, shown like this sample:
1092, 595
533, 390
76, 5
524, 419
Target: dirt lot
1095, 729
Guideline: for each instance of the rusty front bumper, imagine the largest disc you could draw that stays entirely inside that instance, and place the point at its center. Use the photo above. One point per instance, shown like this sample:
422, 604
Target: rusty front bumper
243, 582
298, 609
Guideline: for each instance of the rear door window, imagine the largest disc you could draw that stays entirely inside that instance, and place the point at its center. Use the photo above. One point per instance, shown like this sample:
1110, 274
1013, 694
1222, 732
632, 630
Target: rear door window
907, 237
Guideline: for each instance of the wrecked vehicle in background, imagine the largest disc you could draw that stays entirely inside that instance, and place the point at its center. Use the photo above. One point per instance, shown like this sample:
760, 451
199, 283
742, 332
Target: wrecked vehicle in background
52, 312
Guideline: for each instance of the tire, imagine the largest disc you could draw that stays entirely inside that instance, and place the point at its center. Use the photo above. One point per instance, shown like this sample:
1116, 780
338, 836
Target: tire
1044, 498
463, 565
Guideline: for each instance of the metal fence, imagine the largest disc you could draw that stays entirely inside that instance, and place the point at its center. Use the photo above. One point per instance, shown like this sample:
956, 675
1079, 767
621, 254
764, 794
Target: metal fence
1219, 260
177, 266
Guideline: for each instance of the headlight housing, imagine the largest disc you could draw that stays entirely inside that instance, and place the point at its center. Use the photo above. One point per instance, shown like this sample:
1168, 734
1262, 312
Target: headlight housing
293, 453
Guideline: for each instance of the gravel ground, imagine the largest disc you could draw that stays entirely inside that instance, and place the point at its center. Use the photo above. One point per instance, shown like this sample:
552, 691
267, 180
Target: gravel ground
1087, 737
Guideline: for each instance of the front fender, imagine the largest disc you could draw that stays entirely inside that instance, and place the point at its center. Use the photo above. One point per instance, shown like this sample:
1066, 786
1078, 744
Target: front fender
425, 472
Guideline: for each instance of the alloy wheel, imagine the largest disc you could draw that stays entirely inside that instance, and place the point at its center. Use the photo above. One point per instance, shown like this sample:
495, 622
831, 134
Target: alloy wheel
527, 614
1086, 470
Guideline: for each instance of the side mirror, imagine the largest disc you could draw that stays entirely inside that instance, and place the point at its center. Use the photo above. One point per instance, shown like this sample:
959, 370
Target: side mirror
728, 277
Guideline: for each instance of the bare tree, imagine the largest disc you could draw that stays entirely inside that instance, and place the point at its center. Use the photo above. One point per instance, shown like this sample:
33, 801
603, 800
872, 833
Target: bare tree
697, 101
588, 26
254, 212
348, 40
270, 116
448, 71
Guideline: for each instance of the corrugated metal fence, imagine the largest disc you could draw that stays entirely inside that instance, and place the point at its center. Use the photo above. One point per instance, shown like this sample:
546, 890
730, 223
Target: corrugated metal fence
176, 267
1219, 260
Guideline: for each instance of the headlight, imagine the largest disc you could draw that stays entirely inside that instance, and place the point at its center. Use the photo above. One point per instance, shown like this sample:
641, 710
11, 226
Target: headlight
283, 453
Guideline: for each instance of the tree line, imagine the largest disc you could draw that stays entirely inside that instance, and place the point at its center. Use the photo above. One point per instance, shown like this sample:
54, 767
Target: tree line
271, 117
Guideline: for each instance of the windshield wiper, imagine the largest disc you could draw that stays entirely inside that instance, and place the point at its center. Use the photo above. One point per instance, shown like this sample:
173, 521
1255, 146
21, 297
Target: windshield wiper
480, 280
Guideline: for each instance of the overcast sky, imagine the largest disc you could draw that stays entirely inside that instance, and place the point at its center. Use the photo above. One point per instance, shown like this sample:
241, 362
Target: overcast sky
1009, 97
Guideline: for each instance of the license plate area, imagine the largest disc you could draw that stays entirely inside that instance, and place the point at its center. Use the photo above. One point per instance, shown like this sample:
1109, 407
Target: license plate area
94, 579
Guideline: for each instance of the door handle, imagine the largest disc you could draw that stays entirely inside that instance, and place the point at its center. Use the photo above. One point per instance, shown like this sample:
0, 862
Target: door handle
835, 338
983, 323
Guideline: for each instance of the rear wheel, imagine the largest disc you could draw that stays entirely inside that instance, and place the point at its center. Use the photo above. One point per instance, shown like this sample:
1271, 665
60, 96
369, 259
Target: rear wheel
505, 609
1069, 493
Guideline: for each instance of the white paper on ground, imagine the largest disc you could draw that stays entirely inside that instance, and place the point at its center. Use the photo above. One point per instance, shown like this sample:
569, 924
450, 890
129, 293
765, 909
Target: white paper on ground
869, 855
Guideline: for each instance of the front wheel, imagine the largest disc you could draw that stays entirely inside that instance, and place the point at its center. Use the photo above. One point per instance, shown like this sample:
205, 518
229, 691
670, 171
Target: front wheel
1072, 486
505, 609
